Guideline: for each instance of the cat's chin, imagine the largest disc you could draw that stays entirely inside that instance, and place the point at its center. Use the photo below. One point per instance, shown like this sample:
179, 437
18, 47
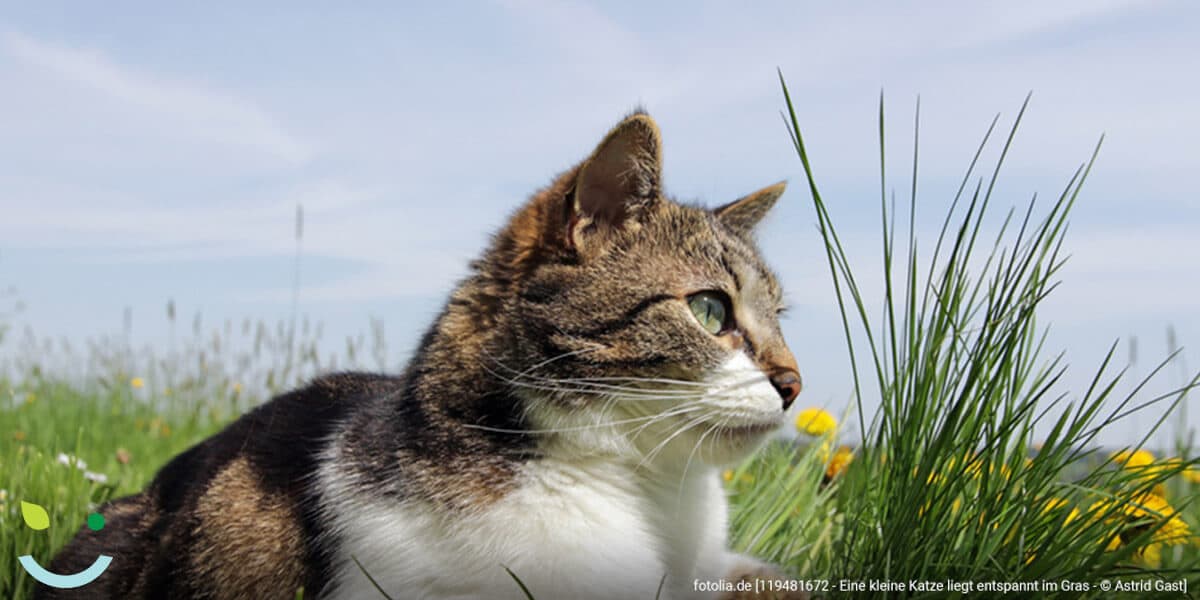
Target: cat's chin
734, 442
750, 431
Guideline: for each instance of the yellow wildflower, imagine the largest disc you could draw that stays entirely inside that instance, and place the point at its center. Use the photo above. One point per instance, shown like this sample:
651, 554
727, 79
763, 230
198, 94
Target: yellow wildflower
1192, 474
727, 475
815, 422
1132, 459
1142, 461
1135, 512
837, 465
137, 383
19, 435
1174, 530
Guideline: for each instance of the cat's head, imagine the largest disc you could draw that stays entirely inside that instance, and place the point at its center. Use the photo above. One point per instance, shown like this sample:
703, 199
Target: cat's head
631, 321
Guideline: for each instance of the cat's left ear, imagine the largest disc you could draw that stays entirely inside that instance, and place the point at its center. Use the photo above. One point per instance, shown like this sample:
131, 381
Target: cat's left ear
743, 214
619, 182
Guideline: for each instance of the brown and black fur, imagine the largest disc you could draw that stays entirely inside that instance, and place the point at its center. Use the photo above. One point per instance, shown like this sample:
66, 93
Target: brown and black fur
238, 516
234, 501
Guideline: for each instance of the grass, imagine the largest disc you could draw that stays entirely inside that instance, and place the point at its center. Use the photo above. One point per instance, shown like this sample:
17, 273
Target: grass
949, 481
70, 442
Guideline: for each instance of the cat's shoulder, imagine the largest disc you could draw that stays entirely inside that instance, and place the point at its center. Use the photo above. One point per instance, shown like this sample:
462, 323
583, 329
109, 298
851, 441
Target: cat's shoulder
281, 438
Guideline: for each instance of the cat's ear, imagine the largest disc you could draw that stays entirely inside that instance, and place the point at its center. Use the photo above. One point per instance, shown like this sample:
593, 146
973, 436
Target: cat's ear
743, 214
619, 182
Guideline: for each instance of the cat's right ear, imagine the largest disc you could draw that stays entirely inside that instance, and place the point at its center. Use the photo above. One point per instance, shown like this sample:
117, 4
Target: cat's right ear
618, 183
743, 214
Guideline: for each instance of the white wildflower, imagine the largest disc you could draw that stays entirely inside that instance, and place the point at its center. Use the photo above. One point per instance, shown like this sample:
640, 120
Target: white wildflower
71, 461
95, 477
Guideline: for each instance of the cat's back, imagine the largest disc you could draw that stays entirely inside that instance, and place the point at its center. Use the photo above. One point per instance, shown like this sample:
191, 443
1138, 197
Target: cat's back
235, 515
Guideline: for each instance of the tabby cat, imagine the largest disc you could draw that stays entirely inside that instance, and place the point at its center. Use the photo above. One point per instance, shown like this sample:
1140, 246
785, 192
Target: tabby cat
565, 418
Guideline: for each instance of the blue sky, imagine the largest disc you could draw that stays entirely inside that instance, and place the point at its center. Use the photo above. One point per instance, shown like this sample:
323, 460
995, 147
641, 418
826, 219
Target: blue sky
153, 151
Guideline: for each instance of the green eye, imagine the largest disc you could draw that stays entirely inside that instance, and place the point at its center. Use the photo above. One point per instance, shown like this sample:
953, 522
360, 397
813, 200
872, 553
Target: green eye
712, 310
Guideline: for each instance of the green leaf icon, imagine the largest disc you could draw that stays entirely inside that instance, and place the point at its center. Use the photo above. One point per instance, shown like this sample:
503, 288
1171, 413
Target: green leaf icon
35, 516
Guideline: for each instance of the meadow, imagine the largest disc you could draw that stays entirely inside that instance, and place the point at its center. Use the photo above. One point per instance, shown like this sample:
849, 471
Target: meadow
948, 491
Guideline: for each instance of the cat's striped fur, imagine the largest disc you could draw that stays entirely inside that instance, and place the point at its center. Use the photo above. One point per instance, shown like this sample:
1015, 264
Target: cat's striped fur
564, 417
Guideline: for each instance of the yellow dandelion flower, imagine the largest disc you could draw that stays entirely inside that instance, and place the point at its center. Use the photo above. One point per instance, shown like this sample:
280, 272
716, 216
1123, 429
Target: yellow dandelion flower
137, 383
1133, 513
1142, 462
1191, 474
837, 465
1132, 459
815, 422
1151, 555
727, 475
1174, 530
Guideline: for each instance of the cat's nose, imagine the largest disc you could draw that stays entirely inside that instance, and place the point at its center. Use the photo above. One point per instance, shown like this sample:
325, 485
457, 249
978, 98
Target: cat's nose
787, 383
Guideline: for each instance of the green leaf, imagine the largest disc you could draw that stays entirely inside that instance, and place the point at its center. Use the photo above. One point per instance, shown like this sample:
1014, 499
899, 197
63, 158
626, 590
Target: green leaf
35, 516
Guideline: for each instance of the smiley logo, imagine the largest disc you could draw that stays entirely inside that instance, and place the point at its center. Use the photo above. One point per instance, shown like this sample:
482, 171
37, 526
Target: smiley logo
36, 518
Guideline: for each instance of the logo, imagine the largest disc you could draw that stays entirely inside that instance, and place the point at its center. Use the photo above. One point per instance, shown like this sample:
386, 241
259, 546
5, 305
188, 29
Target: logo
37, 519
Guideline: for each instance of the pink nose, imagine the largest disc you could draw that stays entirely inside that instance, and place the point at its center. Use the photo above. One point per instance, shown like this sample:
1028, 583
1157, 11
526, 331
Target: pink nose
787, 383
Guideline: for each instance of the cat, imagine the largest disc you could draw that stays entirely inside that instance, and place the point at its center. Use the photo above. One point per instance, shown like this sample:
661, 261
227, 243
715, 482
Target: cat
564, 418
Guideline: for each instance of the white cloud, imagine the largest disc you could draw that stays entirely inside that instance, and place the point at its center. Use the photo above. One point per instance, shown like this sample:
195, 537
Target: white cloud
186, 109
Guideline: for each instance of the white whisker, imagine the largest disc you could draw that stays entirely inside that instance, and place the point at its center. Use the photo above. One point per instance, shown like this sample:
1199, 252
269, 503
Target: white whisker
561, 429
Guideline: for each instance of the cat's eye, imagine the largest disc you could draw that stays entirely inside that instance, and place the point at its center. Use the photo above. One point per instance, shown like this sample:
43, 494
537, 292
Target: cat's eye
712, 310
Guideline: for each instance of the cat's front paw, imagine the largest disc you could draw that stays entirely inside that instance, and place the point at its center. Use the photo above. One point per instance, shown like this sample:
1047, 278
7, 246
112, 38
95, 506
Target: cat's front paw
754, 579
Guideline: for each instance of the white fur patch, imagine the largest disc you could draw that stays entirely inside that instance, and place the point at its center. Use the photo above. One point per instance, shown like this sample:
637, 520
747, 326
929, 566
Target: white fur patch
629, 493
579, 530
740, 390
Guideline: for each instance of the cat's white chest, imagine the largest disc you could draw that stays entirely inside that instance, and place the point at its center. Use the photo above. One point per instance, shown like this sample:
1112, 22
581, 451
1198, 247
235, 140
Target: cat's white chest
569, 531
